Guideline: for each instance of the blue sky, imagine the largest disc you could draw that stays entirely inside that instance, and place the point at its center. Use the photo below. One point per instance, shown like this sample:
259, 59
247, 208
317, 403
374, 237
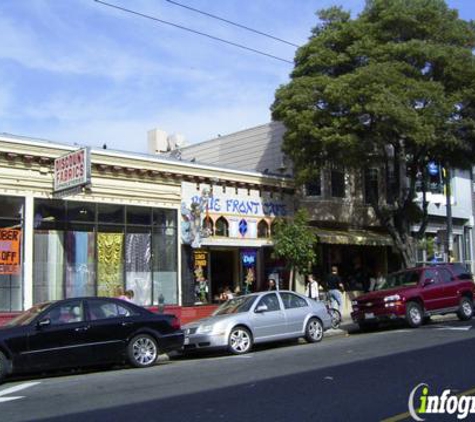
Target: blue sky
75, 71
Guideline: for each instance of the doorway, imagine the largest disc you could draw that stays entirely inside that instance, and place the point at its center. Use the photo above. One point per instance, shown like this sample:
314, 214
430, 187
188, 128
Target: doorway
223, 265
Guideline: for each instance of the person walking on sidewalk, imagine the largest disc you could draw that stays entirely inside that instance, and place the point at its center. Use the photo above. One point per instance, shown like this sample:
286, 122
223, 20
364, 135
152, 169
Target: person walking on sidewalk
335, 287
312, 290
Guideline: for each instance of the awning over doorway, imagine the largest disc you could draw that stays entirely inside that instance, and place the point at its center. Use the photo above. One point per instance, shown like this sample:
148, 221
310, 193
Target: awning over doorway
353, 237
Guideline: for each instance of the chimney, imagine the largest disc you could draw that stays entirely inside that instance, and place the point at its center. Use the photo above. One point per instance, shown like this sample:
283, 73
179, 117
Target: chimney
157, 141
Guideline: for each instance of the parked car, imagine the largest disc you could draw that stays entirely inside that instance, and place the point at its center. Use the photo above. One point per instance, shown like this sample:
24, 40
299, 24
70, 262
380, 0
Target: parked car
85, 331
417, 293
246, 320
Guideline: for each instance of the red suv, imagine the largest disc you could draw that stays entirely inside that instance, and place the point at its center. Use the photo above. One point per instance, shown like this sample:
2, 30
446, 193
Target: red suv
417, 293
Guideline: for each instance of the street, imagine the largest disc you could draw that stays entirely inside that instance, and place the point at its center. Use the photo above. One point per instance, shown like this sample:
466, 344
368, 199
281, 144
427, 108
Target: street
358, 377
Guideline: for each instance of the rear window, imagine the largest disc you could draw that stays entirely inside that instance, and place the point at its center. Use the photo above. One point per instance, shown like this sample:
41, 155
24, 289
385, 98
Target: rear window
461, 272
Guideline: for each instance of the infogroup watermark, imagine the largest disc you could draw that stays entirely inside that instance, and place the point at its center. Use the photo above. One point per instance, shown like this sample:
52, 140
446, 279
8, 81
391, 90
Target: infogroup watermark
421, 403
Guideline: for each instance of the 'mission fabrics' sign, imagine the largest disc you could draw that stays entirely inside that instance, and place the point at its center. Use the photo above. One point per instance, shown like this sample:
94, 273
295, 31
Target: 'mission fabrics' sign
72, 170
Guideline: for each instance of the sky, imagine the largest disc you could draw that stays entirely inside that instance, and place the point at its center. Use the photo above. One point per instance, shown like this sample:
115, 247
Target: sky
79, 72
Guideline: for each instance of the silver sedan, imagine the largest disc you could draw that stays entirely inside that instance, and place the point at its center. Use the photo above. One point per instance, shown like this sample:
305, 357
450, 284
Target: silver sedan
241, 322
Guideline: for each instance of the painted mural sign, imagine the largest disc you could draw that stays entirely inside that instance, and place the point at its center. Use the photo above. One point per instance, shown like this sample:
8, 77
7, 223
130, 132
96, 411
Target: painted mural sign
10, 241
72, 170
203, 205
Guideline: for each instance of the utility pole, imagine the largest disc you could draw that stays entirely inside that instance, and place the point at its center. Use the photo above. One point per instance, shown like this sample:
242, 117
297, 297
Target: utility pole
449, 241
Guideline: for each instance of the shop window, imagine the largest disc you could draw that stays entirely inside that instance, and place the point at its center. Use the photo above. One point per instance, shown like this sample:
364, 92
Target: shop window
164, 217
48, 265
263, 229
107, 213
138, 263
11, 279
11, 207
79, 259
165, 264
81, 211
139, 215
221, 227
49, 213
110, 259
337, 183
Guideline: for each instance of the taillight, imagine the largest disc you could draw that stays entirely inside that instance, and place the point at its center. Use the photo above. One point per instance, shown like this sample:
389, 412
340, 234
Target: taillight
175, 323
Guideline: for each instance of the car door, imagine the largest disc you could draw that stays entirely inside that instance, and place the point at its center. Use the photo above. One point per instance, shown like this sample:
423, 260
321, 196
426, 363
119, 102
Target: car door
432, 290
111, 323
451, 287
296, 310
270, 323
58, 337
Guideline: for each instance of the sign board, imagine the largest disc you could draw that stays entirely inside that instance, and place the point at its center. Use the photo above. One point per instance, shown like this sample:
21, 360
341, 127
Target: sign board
10, 241
72, 170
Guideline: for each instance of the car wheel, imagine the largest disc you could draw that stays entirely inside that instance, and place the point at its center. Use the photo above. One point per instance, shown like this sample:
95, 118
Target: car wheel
314, 330
3, 367
142, 351
240, 341
414, 315
465, 311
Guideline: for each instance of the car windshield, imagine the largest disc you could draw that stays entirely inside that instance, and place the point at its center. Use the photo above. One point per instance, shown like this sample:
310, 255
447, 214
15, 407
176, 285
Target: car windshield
26, 317
407, 278
236, 306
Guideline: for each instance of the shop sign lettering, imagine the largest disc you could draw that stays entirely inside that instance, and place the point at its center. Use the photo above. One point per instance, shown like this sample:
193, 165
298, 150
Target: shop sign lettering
246, 207
10, 240
72, 170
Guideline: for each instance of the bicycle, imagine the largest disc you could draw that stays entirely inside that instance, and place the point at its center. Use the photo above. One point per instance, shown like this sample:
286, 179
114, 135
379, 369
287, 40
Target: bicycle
334, 313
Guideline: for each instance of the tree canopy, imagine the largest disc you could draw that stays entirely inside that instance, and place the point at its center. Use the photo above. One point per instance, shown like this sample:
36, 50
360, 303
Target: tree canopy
295, 242
393, 87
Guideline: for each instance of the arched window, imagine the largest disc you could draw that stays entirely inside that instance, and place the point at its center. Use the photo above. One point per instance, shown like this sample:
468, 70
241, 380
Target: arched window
207, 226
221, 227
273, 227
262, 229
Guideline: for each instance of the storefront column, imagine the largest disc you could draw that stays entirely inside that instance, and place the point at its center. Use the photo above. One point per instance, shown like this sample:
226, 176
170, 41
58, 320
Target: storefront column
28, 251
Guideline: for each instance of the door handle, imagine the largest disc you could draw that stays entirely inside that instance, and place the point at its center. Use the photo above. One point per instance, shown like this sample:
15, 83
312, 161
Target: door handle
125, 324
81, 329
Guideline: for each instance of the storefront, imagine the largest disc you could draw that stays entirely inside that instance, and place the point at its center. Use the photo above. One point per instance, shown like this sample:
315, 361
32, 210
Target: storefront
226, 232
119, 228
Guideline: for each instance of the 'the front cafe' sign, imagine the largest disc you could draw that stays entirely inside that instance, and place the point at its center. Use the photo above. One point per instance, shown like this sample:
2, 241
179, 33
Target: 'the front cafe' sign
10, 241
72, 170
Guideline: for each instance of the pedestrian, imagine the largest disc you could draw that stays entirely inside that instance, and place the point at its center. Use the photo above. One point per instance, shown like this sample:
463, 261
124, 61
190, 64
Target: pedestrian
335, 287
272, 285
377, 281
129, 295
312, 288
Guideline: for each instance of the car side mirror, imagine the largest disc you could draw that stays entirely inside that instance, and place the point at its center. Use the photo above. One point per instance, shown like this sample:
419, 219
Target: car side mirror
428, 282
261, 308
43, 323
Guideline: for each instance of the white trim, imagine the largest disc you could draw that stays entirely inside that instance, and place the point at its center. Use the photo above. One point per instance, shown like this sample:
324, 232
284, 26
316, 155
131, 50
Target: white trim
28, 251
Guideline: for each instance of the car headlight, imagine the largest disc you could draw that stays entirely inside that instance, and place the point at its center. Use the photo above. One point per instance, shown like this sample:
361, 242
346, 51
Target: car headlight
392, 298
204, 329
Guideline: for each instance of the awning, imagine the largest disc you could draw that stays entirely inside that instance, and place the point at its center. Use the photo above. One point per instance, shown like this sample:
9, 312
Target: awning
353, 237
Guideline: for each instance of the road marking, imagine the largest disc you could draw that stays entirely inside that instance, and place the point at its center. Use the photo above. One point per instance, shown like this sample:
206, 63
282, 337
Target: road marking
446, 327
407, 415
12, 390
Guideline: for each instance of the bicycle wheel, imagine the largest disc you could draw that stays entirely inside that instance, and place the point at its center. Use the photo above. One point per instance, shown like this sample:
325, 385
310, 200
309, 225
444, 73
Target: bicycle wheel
335, 317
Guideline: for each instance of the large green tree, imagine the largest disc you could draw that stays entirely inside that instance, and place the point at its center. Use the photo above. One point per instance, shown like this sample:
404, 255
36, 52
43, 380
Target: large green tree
296, 243
393, 87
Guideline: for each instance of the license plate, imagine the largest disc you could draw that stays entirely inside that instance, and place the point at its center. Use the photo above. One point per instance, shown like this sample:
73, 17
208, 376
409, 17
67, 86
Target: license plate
369, 315
187, 341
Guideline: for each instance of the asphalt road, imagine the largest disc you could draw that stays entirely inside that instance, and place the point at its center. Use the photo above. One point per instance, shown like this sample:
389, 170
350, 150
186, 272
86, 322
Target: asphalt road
355, 377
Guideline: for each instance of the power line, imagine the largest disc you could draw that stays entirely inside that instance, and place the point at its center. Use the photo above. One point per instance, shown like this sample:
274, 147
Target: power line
143, 15
232, 23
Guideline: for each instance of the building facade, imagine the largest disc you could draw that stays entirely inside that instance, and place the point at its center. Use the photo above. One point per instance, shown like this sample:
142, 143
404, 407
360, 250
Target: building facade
338, 203
119, 230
